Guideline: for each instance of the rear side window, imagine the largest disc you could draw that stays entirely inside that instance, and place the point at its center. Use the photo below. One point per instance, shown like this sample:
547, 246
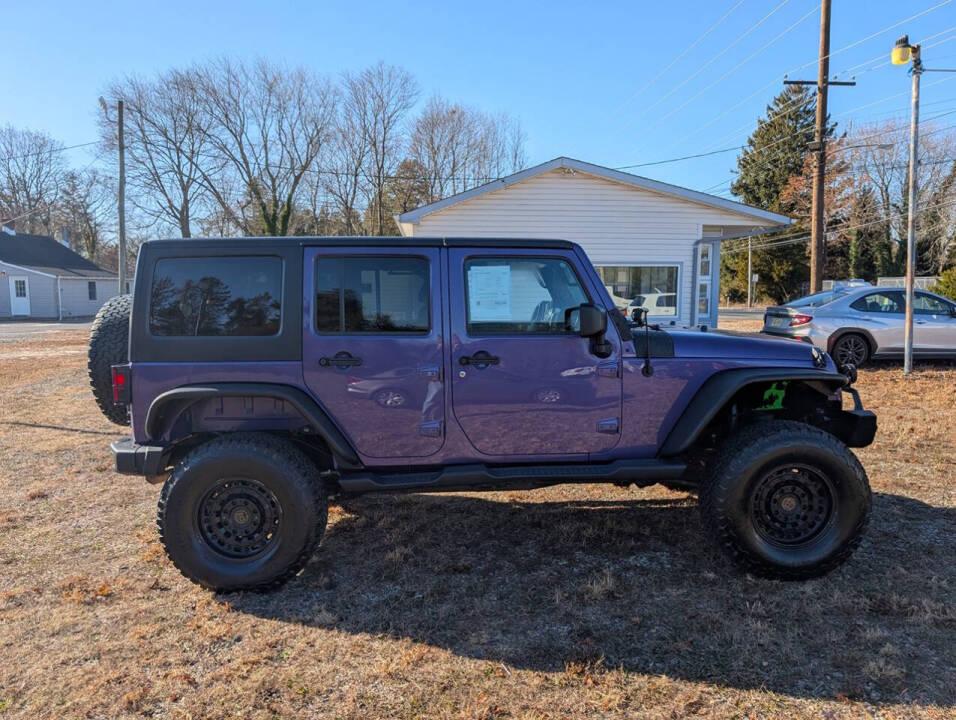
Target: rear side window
372, 295
928, 305
221, 296
879, 303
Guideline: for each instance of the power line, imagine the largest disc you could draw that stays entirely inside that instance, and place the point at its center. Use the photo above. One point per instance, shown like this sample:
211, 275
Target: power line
676, 59
51, 151
678, 159
708, 63
735, 68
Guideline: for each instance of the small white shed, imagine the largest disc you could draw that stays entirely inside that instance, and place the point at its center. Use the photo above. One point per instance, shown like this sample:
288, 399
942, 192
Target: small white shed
654, 244
41, 278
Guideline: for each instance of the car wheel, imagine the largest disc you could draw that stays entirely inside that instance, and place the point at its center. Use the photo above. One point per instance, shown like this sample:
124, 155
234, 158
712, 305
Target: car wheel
851, 349
242, 512
786, 500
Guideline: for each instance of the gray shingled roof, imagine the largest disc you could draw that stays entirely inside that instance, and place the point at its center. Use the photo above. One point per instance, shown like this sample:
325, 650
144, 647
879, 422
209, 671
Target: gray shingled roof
44, 254
414, 216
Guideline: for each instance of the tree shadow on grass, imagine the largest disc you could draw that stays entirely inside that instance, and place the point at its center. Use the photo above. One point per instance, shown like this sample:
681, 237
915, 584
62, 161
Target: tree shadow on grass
540, 585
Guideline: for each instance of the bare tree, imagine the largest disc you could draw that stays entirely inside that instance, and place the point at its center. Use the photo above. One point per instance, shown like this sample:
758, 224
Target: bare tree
31, 171
166, 145
86, 206
344, 175
379, 99
267, 125
459, 147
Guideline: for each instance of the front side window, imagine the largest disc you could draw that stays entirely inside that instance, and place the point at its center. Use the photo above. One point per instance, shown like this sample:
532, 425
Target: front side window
520, 295
91, 290
372, 295
928, 305
221, 296
652, 286
889, 302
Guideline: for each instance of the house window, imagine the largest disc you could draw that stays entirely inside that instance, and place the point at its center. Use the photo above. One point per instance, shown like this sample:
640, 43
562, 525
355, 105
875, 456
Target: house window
231, 296
654, 287
372, 295
704, 260
91, 290
20, 288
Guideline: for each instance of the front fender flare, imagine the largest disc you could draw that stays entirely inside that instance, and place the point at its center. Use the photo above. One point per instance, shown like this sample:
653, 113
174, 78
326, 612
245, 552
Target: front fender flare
168, 406
722, 386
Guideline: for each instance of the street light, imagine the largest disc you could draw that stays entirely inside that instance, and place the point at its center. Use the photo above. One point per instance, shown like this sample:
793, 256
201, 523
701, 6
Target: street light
901, 54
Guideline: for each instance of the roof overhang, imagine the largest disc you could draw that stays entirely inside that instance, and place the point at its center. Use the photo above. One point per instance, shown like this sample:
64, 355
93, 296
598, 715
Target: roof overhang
765, 217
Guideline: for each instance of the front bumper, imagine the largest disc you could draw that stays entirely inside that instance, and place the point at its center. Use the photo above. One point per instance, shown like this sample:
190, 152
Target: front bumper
856, 427
133, 459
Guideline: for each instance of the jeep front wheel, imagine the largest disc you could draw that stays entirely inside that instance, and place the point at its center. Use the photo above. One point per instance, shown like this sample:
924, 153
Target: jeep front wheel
786, 500
242, 512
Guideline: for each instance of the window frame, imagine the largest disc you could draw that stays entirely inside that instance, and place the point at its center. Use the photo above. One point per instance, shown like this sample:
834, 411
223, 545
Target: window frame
342, 332
216, 338
678, 299
515, 333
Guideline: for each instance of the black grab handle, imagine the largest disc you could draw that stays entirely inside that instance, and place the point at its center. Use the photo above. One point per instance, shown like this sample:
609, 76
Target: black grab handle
479, 359
341, 360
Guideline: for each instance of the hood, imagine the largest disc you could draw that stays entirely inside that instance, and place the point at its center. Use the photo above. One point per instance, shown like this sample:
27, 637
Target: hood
740, 346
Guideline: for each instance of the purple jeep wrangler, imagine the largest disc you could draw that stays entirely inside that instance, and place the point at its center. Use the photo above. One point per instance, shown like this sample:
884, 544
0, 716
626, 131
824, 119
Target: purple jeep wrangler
262, 375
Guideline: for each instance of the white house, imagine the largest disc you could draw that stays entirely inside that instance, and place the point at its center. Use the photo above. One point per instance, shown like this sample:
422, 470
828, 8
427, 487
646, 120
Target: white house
41, 278
655, 244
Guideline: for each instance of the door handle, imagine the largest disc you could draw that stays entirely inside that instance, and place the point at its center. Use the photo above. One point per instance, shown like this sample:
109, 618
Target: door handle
341, 359
480, 359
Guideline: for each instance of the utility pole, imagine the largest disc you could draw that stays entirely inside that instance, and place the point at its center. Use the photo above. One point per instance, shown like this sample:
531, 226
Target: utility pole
817, 227
911, 219
750, 271
121, 198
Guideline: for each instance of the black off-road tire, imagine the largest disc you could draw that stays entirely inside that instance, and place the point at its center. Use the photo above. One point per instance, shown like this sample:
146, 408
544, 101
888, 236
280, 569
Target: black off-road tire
264, 476
109, 345
802, 462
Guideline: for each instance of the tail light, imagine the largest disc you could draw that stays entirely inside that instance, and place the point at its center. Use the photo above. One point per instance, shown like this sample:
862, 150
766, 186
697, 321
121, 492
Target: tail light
121, 390
800, 320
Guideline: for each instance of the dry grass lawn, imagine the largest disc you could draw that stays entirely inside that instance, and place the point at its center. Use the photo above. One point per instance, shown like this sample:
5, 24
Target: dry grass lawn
578, 601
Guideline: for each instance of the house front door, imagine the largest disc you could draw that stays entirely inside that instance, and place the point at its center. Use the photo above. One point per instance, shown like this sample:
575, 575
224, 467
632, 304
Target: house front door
19, 295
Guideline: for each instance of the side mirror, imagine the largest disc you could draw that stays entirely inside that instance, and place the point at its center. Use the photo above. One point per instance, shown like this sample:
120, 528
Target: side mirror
590, 321
639, 316
587, 320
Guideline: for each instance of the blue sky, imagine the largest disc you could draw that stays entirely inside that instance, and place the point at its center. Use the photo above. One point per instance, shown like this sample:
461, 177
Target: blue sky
578, 75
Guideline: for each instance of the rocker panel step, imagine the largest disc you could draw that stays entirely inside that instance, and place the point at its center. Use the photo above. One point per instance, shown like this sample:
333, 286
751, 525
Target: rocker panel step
640, 472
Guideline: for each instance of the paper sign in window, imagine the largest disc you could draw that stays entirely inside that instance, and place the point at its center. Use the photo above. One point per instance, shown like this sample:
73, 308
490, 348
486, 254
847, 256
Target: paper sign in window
489, 293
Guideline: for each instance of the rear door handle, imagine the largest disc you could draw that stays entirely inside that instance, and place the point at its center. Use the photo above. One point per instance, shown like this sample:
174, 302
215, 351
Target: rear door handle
341, 359
480, 359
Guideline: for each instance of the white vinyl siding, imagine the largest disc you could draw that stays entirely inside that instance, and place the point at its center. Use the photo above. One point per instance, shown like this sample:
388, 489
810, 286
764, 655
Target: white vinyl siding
616, 224
42, 292
75, 295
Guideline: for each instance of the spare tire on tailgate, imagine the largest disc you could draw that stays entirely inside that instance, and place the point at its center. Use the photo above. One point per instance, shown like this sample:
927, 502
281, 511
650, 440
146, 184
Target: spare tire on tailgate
109, 345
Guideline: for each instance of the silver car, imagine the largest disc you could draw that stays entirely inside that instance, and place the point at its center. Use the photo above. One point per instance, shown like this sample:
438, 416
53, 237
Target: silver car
857, 324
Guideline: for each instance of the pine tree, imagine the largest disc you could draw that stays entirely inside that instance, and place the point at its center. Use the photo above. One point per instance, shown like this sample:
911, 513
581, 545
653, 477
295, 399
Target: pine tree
775, 153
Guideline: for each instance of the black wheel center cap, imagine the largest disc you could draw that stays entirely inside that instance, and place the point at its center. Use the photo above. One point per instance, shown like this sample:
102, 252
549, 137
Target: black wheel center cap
788, 503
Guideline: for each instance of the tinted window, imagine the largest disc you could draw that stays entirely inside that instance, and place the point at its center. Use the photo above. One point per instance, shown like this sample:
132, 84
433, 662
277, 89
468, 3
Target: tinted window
928, 305
91, 290
879, 303
371, 294
520, 295
224, 296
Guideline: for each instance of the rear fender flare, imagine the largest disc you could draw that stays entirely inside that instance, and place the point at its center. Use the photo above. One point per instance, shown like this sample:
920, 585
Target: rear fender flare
167, 407
718, 390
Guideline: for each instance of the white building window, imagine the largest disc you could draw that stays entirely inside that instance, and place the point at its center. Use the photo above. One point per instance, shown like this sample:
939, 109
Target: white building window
91, 289
704, 259
20, 288
655, 287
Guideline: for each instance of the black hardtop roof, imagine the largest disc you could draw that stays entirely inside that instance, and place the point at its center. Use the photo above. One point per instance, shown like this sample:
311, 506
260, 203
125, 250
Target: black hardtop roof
263, 243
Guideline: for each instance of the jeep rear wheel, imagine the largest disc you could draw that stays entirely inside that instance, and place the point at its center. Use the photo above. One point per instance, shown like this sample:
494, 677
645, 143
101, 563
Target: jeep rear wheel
109, 345
242, 512
786, 500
